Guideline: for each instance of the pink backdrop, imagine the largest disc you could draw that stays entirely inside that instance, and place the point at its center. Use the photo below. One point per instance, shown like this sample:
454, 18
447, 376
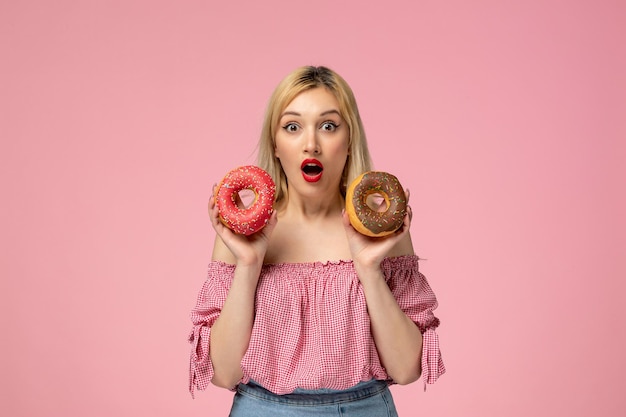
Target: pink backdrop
505, 119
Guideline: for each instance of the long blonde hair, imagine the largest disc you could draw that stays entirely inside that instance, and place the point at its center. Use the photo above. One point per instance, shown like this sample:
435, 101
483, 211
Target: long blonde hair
302, 79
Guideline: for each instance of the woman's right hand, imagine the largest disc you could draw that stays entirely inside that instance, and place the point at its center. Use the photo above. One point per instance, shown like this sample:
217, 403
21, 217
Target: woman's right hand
247, 250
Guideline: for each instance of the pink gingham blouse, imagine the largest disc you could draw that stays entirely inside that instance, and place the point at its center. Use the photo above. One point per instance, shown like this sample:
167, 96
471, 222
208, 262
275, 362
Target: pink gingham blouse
311, 328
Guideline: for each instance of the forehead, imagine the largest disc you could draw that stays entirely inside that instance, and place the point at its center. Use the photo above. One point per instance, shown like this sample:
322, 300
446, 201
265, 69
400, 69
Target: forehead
313, 101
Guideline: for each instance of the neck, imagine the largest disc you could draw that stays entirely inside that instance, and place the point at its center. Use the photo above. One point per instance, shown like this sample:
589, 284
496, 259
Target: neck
310, 207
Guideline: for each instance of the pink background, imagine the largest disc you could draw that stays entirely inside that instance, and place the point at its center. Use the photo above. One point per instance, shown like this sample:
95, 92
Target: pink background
506, 120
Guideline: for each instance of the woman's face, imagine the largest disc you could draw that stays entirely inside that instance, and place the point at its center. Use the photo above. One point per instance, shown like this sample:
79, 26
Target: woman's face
312, 142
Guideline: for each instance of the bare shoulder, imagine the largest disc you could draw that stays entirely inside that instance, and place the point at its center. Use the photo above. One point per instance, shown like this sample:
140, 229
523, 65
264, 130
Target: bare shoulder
403, 247
221, 252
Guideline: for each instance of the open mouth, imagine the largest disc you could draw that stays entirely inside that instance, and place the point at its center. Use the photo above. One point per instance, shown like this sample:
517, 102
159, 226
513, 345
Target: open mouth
312, 170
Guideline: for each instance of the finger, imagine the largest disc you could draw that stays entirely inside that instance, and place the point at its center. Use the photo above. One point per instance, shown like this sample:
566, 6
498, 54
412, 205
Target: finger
214, 213
347, 224
408, 218
407, 194
212, 197
271, 223
351, 232
211, 202
406, 224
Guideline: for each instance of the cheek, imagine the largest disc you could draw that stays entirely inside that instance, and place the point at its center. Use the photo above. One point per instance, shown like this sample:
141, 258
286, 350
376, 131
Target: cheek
342, 147
283, 153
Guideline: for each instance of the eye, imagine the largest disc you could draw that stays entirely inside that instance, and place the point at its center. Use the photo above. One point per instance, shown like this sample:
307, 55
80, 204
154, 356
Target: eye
291, 127
329, 126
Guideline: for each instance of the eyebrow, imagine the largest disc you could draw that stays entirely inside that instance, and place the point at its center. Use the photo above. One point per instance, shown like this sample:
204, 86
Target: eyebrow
327, 112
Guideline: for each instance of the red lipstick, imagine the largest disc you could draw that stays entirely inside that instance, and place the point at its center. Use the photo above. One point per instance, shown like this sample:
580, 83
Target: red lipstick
311, 170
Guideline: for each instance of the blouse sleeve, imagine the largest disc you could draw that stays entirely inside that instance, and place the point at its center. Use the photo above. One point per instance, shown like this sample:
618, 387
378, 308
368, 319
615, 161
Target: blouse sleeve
208, 307
418, 301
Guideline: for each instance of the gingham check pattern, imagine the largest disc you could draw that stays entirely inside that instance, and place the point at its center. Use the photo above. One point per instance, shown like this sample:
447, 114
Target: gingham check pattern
311, 328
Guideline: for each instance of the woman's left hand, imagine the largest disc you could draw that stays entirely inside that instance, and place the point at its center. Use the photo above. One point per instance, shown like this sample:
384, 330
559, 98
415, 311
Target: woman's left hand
368, 252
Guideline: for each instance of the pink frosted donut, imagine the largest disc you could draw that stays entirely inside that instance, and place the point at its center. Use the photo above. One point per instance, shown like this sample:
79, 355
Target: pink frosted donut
245, 221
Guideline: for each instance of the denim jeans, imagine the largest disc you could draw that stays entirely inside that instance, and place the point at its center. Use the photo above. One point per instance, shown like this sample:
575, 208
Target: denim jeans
366, 399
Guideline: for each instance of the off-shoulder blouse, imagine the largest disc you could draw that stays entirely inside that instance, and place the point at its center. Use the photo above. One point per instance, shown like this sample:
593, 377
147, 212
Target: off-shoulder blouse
311, 328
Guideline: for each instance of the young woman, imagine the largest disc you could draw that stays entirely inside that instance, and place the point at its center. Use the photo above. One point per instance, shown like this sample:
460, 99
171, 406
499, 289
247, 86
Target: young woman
308, 316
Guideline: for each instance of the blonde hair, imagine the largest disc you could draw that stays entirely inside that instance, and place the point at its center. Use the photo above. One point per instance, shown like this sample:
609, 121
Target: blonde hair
302, 79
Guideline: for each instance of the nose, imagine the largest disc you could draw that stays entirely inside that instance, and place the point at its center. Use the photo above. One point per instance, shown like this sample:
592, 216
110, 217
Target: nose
311, 142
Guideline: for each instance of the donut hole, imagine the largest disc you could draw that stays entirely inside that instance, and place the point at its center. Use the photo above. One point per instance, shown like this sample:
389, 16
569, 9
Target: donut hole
377, 202
246, 198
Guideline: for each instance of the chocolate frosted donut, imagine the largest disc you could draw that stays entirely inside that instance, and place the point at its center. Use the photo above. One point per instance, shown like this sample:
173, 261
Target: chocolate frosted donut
367, 220
245, 221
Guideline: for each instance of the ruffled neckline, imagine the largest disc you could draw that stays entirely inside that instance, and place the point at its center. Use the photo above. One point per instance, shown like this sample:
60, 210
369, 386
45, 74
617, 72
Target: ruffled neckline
404, 259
